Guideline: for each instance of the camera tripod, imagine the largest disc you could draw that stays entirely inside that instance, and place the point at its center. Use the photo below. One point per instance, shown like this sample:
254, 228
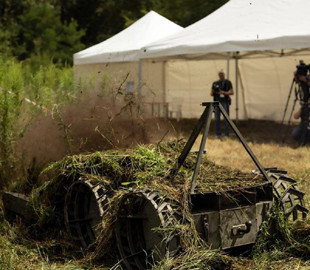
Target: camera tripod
301, 91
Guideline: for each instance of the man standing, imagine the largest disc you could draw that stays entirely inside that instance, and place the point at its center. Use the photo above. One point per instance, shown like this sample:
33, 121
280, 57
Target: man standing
301, 133
221, 91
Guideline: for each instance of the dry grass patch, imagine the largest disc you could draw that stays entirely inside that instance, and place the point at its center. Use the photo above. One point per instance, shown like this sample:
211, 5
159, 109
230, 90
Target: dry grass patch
230, 153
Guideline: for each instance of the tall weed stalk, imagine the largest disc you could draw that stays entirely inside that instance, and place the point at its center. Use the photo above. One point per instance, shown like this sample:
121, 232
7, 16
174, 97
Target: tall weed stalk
47, 86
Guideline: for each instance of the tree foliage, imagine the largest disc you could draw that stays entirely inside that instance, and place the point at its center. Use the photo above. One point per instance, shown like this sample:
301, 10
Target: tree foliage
42, 30
34, 29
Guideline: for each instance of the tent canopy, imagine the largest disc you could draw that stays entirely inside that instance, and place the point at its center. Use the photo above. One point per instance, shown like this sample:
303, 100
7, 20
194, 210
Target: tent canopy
126, 45
241, 25
178, 82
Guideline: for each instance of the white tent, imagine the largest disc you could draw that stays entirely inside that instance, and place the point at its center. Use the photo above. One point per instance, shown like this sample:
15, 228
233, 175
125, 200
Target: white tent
113, 66
242, 25
126, 45
267, 39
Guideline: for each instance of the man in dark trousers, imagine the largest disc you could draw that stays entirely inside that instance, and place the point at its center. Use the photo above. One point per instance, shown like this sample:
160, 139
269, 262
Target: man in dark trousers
221, 91
301, 133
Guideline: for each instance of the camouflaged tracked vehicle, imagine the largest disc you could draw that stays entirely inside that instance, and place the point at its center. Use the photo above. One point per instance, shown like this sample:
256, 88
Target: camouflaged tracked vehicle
226, 218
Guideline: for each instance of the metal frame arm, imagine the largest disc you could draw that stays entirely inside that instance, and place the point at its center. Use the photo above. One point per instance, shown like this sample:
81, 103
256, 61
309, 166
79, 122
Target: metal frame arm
188, 146
242, 140
204, 122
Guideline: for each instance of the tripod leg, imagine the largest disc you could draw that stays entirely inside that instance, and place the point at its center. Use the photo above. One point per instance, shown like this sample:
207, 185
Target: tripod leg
284, 132
288, 99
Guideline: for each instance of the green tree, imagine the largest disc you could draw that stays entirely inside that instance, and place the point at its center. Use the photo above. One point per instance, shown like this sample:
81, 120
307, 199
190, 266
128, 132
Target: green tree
42, 34
33, 29
182, 12
104, 18
187, 12
55, 29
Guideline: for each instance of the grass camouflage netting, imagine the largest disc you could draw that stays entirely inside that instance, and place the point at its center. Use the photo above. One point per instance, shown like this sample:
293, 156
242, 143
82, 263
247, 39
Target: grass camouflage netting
148, 167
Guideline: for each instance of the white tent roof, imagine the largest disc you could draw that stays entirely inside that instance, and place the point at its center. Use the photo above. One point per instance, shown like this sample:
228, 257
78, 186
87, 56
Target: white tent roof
126, 45
242, 25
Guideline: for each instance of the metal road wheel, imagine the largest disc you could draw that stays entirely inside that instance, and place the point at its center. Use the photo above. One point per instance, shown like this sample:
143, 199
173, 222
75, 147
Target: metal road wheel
139, 214
286, 191
287, 194
83, 210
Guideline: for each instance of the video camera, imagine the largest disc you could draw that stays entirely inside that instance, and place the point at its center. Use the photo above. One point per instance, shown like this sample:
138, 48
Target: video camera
216, 88
302, 68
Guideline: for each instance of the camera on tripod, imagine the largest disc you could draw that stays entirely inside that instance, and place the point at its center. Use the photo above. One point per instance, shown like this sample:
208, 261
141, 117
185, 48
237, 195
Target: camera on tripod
302, 68
303, 80
301, 85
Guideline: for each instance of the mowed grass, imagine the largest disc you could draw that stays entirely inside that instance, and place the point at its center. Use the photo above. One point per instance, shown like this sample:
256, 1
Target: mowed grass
230, 153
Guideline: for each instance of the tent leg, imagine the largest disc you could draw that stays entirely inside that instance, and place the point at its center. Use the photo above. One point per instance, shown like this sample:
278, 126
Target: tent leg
165, 105
227, 66
243, 93
139, 82
237, 90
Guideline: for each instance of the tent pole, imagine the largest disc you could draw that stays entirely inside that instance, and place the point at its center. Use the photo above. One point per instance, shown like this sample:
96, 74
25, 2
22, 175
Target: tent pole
243, 93
139, 82
165, 105
237, 90
227, 65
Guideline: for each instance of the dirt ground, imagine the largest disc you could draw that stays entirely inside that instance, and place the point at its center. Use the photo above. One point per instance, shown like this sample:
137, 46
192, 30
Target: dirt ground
258, 131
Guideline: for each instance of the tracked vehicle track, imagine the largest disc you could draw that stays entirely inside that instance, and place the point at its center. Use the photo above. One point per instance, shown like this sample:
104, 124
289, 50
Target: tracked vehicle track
287, 194
83, 210
139, 214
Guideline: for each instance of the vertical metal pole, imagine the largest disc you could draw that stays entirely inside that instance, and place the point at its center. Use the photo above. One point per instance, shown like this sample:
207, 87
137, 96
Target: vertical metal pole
288, 100
237, 90
243, 94
202, 146
139, 82
165, 105
228, 66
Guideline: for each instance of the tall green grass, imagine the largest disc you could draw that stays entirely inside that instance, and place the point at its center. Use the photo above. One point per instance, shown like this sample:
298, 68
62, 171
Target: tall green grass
47, 86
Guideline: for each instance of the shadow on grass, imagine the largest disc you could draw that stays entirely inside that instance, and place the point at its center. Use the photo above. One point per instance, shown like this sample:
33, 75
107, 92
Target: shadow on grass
258, 131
